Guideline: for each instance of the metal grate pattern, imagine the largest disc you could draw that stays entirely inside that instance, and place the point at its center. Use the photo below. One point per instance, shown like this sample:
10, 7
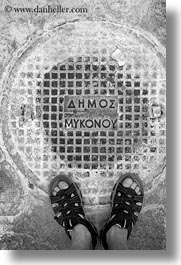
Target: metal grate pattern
81, 110
94, 146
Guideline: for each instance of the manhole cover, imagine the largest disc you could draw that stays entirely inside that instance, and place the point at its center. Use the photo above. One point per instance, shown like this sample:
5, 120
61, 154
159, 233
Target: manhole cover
86, 100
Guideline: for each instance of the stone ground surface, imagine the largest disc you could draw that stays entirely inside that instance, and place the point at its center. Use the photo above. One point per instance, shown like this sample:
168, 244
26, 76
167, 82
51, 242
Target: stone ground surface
26, 218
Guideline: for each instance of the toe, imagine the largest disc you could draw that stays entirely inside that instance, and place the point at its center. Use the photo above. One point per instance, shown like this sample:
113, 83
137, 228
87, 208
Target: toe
133, 186
56, 189
63, 185
54, 193
137, 189
127, 182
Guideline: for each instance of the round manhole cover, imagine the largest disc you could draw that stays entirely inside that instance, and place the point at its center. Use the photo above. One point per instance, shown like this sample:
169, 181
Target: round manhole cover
87, 100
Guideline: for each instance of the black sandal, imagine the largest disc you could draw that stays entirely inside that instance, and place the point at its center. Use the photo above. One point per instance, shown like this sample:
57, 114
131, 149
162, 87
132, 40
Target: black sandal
124, 207
67, 205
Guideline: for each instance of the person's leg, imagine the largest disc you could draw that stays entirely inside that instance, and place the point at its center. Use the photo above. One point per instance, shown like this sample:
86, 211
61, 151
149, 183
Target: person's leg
81, 238
116, 236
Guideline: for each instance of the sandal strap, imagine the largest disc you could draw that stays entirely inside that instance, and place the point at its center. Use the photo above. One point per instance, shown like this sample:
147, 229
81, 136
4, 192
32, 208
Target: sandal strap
71, 212
64, 194
124, 207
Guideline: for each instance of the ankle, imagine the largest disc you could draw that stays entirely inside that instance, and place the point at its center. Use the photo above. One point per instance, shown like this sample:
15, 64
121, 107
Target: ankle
81, 238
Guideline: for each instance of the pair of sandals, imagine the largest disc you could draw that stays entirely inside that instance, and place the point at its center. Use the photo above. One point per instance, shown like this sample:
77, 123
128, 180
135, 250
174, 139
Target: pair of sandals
68, 207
